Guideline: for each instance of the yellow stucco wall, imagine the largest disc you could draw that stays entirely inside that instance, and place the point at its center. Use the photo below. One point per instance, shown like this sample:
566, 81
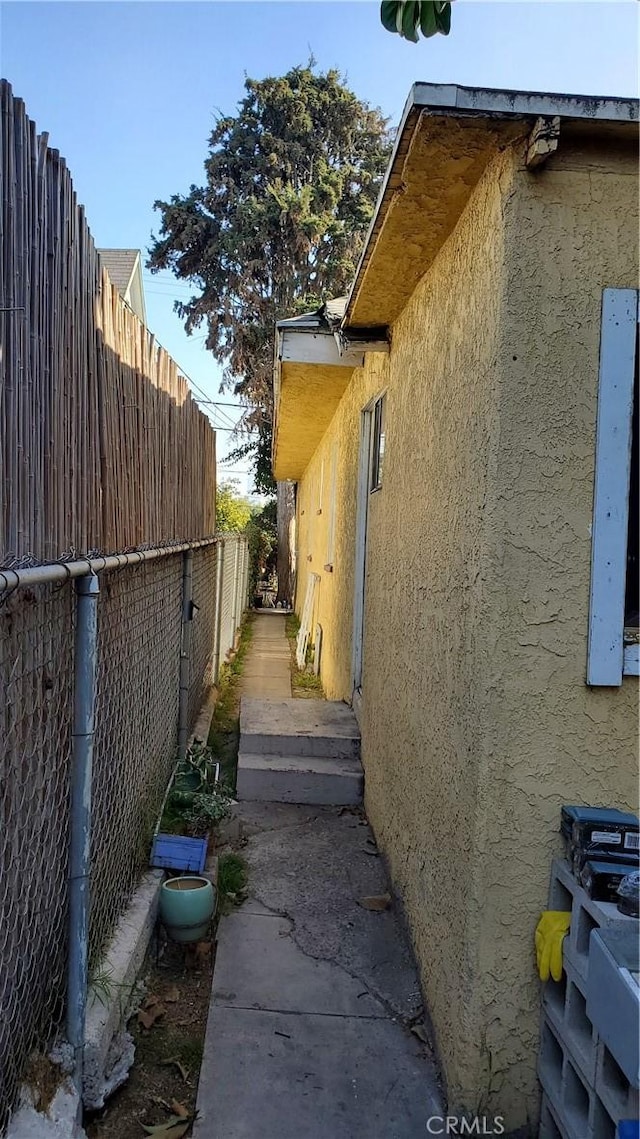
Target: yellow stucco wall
476, 722
334, 599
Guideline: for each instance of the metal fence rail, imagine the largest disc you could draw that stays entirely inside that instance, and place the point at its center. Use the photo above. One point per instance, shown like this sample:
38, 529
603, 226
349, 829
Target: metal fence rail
141, 641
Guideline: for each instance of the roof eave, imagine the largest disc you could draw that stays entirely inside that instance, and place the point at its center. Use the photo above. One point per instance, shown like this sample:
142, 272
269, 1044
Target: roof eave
486, 103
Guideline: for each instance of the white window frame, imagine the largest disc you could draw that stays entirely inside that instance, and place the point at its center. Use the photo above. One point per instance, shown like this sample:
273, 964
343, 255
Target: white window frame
378, 442
608, 658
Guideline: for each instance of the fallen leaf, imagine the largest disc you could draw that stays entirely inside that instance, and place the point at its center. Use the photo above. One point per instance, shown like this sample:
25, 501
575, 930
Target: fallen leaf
148, 1017
150, 1001
172, 995
420, 1031
181, 1068
174, 1128
160, 1102
377, 902
370, 850
179, 1109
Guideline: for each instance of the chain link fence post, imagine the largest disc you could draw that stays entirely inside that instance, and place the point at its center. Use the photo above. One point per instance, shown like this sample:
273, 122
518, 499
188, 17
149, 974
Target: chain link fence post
185, 652
84, 703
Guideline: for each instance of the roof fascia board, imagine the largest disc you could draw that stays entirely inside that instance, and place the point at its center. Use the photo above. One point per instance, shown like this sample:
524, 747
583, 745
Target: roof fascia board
489, 101
320, 348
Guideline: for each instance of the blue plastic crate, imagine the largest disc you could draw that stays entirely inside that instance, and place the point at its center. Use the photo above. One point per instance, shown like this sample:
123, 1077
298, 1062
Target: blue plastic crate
628, 1129
175, 852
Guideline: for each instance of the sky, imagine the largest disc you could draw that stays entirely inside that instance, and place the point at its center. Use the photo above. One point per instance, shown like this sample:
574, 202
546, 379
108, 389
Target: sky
129, 93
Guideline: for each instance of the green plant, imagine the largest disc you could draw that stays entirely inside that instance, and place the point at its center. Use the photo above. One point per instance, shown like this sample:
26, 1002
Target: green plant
205, 811
308, 681
102, 982
232, 880
292, 626
232, 510
199, 759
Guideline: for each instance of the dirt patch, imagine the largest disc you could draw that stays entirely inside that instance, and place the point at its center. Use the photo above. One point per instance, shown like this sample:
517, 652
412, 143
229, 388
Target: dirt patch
43, 1078
164, 1077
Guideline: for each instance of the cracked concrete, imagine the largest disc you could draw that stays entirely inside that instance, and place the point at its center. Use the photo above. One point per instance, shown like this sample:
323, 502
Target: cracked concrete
313, 995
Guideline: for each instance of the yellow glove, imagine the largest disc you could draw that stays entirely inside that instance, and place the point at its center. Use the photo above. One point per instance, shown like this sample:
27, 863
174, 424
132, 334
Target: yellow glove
550, 933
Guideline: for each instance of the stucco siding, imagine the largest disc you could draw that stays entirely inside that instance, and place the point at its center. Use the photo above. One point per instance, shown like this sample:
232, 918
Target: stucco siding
476, 721
549, 738
334, 603
426, 647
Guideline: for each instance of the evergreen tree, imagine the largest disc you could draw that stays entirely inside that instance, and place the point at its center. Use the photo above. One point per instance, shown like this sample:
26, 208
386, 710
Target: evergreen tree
291, 183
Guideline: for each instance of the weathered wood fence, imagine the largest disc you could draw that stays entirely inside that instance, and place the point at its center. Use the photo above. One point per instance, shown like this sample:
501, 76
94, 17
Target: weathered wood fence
102, 447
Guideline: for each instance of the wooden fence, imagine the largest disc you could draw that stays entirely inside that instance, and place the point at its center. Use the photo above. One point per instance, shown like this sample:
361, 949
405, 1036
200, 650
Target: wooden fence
102, 447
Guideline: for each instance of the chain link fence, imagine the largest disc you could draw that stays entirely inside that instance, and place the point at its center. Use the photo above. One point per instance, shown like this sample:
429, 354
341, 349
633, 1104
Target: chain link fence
203, 672
36, 664
233, 584
140, 635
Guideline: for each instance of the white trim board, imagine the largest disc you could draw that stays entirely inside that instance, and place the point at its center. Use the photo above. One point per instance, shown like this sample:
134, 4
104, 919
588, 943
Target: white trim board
605, 653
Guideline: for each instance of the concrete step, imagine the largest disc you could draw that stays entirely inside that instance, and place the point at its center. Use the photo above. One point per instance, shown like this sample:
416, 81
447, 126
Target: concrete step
317, 780
299, 728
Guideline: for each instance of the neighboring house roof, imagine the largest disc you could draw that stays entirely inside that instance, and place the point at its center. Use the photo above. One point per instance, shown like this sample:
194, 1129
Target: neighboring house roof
446, 137
124, 267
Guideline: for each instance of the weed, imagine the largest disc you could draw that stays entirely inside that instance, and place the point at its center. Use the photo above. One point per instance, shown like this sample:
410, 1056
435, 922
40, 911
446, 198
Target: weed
165, 1044
303, 683
102, 982
308, 681
292, 626
232, 881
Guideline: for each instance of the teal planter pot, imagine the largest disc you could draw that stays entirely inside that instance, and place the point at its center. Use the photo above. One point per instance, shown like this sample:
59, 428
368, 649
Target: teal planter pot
187, 905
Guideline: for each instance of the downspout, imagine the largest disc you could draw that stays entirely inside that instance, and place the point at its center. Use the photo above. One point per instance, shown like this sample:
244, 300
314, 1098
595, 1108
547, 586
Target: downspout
84, 701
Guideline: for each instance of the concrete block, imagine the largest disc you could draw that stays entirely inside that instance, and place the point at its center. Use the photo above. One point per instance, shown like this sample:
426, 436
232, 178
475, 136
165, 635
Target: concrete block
299, 727
551, 1063
612, 1086
576, 1101
59, 1122
108, 1051
613, 995
572, 1108
299, 779
550, 1128
566, 893
564, 1004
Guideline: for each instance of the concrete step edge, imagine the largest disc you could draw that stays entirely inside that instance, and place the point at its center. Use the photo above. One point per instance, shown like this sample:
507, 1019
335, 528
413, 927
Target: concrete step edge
328, 746
318, 764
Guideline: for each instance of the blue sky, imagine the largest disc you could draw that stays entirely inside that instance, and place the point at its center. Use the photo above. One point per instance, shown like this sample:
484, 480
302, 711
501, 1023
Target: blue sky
128, 91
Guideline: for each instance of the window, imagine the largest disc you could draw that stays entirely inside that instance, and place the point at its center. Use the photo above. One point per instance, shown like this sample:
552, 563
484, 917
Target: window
377, 443
614, 647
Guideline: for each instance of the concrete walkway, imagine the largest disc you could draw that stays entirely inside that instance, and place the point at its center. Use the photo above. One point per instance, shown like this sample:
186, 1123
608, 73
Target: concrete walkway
267, 667
314, 995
